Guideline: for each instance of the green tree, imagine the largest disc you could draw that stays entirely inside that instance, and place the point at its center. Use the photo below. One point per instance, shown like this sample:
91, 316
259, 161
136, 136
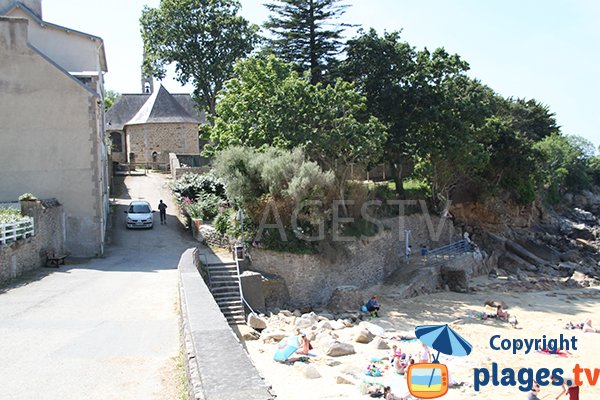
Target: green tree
406, 89
203, 38
566, 164
304, 33
515, 127
110, 98
269, 104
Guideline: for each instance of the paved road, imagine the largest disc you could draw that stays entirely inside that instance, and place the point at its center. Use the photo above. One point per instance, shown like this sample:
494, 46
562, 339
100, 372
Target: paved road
102, 329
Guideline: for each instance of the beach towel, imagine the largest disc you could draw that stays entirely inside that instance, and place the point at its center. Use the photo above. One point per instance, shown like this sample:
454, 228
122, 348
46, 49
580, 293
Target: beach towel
560, 353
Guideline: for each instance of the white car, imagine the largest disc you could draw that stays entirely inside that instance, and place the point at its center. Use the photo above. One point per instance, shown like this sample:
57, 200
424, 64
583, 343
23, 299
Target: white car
139, 214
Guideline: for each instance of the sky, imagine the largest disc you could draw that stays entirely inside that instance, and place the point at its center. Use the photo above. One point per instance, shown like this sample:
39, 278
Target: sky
547, 50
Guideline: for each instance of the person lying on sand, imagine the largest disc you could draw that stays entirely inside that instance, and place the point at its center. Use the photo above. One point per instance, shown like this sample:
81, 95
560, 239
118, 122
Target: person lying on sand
388, 395
586, 326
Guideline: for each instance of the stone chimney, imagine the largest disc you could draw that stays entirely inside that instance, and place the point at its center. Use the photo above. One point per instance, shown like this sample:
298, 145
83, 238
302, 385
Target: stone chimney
34, 5
13, 34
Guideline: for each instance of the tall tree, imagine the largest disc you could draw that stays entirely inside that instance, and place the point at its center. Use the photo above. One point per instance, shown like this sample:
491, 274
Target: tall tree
305, 33
203, 38
407, 90
269, 104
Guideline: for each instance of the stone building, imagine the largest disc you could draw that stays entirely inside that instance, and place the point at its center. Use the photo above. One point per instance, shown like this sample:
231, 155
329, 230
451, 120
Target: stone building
145, 128
52, 121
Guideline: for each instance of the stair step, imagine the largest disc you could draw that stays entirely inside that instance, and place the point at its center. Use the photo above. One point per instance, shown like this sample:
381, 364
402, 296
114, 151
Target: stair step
236, 300
224, 278
228, 297
232, 288
222, 264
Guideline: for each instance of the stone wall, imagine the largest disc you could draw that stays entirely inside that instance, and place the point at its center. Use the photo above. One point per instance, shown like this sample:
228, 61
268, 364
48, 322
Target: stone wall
311, 279
217, 366
145, 139
177, 170
28, 254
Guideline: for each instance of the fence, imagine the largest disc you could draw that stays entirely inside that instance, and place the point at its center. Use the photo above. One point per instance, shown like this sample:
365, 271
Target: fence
16, 230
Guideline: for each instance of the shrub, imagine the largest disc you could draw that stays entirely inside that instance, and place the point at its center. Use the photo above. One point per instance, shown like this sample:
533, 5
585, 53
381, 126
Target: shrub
194, 186
10, 215
27, 196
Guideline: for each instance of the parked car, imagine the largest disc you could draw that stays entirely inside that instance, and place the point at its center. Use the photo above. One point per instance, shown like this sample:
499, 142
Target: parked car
139, 215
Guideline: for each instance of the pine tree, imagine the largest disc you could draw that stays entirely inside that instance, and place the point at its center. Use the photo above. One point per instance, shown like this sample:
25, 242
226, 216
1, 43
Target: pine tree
304, 33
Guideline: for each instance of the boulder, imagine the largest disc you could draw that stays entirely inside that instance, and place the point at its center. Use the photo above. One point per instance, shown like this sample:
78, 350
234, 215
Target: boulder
337, 325
523, 253
345, 298
363, 336
324, 325
254, 321
344, 380
247, 333
326, 316
324, 340
267, 336
303, 323
310, 372
374, 329
457, 279
338, 349
297, 313
379, 344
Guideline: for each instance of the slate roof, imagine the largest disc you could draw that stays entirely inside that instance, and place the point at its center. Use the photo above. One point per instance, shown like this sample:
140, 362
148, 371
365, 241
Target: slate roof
17, 4
159, 107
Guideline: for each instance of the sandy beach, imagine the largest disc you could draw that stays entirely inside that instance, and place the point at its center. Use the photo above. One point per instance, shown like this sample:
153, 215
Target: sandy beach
538, 313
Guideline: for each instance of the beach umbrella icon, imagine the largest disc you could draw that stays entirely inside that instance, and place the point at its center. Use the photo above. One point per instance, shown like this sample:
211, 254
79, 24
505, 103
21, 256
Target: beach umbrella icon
285, 348
443, 339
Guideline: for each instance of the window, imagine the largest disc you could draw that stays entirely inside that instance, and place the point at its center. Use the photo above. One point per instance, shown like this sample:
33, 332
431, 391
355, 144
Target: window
117, 142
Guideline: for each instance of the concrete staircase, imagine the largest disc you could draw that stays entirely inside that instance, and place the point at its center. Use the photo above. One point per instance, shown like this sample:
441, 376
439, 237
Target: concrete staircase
224, 284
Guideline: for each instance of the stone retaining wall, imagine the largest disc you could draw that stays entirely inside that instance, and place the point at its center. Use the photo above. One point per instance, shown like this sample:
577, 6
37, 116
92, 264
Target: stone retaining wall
28, 254
217, 365
311, 279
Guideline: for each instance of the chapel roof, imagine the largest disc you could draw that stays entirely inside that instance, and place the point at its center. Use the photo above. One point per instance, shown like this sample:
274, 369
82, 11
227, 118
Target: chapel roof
158, 107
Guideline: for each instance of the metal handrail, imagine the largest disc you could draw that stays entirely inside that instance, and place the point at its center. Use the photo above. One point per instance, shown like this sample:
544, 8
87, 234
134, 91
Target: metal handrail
451, 250
237, 266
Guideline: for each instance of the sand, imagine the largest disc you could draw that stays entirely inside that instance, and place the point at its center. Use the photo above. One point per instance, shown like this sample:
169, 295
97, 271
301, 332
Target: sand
539, 313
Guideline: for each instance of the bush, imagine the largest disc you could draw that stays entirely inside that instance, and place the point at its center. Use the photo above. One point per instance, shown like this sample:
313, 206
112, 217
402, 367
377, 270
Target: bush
193, 186
10, 215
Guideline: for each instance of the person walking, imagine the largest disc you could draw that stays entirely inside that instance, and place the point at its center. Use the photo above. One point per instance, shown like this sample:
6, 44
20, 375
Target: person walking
162, 209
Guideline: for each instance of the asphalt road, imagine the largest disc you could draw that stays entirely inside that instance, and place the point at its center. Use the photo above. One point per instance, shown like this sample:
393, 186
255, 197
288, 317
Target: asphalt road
100, 329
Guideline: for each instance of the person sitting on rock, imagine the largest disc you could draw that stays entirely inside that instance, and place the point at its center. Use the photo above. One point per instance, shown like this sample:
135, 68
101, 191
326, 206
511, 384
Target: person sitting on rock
304, 345
373, 306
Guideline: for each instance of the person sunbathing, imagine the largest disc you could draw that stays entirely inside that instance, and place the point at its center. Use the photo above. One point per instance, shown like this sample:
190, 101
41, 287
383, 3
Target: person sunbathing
587, 327
501, 314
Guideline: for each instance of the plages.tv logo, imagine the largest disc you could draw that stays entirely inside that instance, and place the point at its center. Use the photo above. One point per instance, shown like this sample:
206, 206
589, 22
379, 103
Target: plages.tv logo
430, 380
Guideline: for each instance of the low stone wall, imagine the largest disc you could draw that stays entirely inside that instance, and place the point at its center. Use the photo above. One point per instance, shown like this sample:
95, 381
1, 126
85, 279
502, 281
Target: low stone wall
311, 279
177, 170
217, 365
28, 254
